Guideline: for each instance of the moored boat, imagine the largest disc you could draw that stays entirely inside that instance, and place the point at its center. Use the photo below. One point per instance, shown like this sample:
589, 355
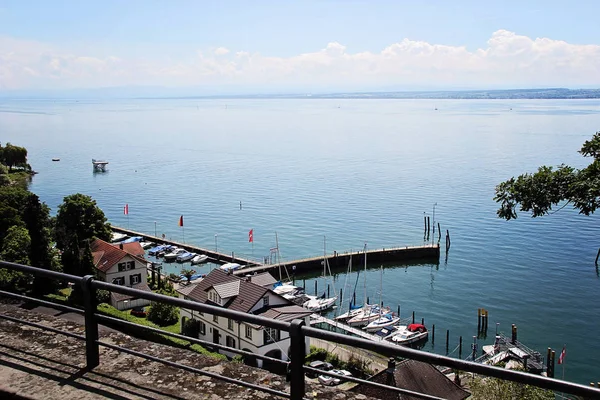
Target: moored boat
199, 259
117, 237
408, 334
174, 254
186, 256
230, 267
384, 321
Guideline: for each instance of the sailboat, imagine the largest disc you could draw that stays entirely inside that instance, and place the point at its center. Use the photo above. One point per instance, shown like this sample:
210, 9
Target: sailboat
385, 319
322, 303
287, 289
353, 309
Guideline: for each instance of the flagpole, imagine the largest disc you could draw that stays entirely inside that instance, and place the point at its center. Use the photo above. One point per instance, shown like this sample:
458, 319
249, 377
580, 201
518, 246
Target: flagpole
183, 231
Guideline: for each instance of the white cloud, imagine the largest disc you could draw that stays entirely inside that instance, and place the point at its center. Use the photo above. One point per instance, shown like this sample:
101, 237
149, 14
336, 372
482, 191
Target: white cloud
508, 60
221, 51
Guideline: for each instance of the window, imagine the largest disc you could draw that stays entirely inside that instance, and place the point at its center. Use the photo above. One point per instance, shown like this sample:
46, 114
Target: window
215, 318
202, 328
266, 301
135, 279
271, 335
130, 265
119, 281
229, 341
248, 331
230, 324
121, 267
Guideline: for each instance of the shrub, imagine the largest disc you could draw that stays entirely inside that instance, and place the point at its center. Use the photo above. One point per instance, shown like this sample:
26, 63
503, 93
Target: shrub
162, 313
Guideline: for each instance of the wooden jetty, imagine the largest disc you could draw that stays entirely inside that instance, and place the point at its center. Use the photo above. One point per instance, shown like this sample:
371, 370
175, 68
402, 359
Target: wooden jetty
319, 319
428, 252
214, 256
340, 260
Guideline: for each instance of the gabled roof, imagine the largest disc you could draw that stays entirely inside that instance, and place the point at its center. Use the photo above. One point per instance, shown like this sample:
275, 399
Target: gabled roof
186, 290
249, 293
264, 279
133, 248
228, 289
120, 296
286, 313
416, 376
106, 255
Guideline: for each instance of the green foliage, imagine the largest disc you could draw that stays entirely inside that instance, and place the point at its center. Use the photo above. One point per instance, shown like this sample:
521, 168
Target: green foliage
316, 354
14, 156
16, 244
539, 192
238, 359
163, 314
4, 178
497, 389
78, 220
102, 296
188, 274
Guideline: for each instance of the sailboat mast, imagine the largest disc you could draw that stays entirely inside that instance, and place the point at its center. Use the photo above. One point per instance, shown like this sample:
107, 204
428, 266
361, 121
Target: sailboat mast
365, 277
277, 257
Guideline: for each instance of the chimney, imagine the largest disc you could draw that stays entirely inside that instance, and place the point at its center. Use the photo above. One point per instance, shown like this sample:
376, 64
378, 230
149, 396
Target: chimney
248, 278
121, 246
390, 371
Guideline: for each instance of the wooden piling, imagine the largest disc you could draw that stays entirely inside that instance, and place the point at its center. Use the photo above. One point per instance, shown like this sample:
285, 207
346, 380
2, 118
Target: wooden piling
354, 298
368, 300
447, 240
548, 360
328, 291
486, 320
552, 358
597, 255
460, 347
304, 283
513, 338
448, 339
340, 295
413, 319
439, 233
398, 310
428, 226
424, 225
422, 321
316, 288
433, 334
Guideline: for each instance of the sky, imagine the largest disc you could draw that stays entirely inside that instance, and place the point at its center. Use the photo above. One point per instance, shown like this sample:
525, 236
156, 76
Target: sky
298, 46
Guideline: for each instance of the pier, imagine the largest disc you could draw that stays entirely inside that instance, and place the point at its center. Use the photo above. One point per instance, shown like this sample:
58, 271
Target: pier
428, 252
319, 319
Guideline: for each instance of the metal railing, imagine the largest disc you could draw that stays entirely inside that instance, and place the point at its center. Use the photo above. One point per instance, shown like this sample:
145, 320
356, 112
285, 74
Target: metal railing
297, 330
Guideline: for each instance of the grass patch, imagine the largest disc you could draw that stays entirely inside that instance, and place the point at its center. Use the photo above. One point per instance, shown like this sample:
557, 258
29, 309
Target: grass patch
110, 311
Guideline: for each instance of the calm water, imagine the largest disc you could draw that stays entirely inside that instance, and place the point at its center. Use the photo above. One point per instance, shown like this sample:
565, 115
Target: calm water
354, 171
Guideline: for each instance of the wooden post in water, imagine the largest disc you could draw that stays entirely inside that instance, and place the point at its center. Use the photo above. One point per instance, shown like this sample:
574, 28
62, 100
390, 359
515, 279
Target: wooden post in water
413, 319
552, 357
328, 291
422, 321
486, 320
368, 300
597, 255
478, 320
315, 287
447, 240
448, 339
460, 347
548, 360
433, 334
354, 298
439, 233
398, 310
513, 338
340, 296
428, 227
304, 282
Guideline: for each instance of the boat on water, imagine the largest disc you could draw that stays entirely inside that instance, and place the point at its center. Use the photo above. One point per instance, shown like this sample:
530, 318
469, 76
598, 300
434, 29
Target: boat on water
155, 250
166, 250
56, 159
193, 277
322, 303
172, 256
386, 320
199, 259
367, 314
186, 256
117, 237
408, 334
99, 165
133, 239
230, 267
147, 245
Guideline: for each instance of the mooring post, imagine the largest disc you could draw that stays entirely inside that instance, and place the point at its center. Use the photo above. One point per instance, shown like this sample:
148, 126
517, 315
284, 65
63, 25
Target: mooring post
439, 233
447, 240
304, 282
422, 321
460, 347
368, 300
424, 225
548, 360
315, 287
354, 298
428, 226
597, 255
340, 294
474, 347
413, 319
478, 320
398, 310
513, 338
486, 320
552, 357
433, 334
328, 291
447, 340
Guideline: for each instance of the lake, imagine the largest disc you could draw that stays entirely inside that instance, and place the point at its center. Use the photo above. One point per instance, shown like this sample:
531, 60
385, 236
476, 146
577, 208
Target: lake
355, 172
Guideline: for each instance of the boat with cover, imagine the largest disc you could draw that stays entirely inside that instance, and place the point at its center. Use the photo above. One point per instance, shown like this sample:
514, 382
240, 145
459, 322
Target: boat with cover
133, 239
199, 259
146, 245
166, 250
322, 303
384, 321
230, 267
174, 254
408, 334
155, 250
186, 256
117, 237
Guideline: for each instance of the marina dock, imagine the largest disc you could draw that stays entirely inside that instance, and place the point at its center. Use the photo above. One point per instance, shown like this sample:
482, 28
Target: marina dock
319, 319
428, 252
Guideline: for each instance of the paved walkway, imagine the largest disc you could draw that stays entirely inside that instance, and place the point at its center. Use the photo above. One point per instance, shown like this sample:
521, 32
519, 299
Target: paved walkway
37, 364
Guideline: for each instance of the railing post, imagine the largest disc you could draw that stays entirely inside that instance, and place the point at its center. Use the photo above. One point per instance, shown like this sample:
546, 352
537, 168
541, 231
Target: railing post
92, 351
297, 356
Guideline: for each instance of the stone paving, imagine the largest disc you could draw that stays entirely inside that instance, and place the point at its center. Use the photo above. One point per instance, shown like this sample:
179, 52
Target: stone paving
37, 364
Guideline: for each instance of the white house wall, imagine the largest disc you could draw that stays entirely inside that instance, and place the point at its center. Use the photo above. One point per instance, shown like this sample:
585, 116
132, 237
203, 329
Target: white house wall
140, 268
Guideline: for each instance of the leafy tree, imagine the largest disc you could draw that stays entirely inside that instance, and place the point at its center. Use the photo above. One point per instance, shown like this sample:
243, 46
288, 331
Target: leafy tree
82, 261
15, 247
539, 192
14, 156
78, 220
163, 314
188, 274
4, 178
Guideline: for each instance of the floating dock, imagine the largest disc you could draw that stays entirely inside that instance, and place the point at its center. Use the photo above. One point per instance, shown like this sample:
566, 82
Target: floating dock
319, 319
428, 252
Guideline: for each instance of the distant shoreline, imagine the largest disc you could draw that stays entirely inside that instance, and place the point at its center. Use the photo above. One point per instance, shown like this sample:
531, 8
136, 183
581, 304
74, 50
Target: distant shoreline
190, 94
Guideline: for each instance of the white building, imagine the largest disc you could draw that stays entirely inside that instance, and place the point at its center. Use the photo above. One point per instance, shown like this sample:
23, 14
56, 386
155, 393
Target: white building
240, 294
122, 264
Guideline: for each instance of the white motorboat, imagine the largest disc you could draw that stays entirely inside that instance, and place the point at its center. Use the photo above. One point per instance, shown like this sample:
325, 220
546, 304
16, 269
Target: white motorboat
146, 245
367, 315
187, 256
285, 288
230, 267
199, 259
384, 321
174, 253
408, 334
117, 237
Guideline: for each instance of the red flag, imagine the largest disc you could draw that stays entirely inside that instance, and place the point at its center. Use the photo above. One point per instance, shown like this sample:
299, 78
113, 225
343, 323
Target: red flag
563, 353
251, 235
181, 221
126, 209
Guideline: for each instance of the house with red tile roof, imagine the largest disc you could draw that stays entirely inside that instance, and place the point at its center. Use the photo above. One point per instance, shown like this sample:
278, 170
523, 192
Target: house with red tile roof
122, 264
246, 295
